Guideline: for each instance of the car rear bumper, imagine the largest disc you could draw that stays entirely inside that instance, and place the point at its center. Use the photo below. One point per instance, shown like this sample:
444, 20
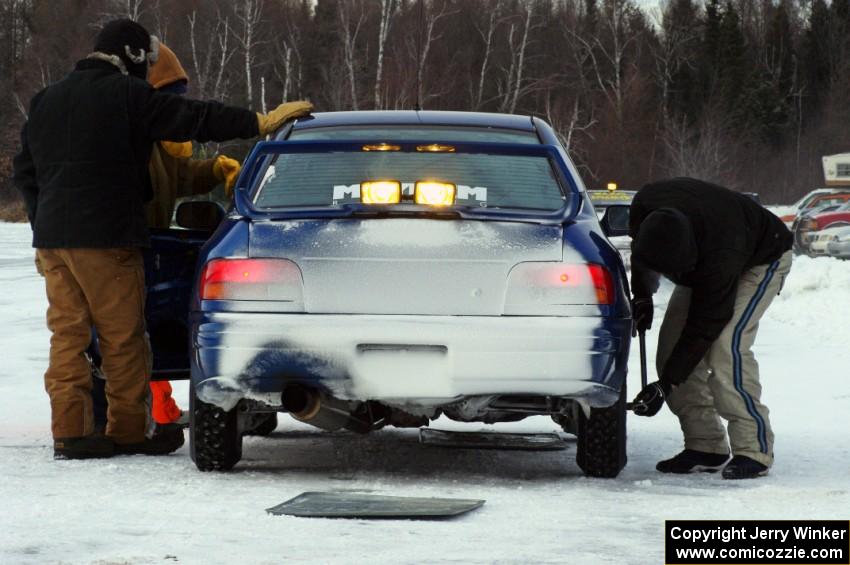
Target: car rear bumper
418, 359
840, 249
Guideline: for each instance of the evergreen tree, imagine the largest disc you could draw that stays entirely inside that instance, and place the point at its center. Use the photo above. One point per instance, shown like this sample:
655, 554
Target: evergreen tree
680, 27
731, 60
780, 50
710, 45
816, 55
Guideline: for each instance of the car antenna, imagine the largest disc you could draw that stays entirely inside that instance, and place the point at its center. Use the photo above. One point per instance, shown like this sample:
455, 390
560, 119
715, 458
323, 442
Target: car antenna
418, 106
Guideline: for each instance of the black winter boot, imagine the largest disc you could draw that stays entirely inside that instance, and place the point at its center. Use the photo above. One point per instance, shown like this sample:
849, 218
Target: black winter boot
692, 461
166, 439
742, 467
92, 446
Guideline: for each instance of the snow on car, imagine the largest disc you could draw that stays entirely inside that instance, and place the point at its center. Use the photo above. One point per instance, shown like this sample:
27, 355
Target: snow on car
387, 268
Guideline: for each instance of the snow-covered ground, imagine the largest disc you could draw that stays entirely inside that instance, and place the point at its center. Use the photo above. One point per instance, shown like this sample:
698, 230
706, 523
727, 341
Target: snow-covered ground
136, 510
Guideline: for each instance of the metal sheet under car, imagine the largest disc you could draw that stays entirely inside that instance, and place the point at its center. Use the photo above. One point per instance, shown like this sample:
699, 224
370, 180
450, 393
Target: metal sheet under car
360, 505
491, 440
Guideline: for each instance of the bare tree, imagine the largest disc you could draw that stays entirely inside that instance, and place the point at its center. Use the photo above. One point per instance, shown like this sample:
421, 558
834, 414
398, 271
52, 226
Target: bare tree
130, 9
285, 57
419, 44
487, 36
249, 15
701, 152
607, 53
388, 11
671, 54
210, 61
509, 94
288, 50
349, 43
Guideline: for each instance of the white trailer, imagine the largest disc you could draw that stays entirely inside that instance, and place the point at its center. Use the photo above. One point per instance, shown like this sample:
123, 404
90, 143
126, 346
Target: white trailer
836, 170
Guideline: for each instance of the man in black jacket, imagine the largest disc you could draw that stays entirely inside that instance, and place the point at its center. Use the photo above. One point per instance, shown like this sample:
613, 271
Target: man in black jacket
83, 173
728, 257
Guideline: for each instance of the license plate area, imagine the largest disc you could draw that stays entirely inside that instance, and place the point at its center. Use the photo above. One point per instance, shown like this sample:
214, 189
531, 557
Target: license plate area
402, 370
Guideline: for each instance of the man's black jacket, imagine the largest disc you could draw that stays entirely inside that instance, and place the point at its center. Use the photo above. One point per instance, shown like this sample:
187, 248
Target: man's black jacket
733, 234
83, 166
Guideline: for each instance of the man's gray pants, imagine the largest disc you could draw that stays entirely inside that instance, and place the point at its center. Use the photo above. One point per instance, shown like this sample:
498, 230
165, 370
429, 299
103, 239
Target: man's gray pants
726, 382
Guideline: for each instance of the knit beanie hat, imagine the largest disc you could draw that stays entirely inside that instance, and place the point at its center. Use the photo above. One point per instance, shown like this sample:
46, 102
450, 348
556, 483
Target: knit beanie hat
167, 70
665, 242
131, 43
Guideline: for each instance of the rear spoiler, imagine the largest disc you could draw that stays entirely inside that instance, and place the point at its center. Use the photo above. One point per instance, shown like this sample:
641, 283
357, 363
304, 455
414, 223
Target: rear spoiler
259, 158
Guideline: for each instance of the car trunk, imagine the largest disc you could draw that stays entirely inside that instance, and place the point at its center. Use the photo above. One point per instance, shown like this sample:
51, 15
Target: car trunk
405, 265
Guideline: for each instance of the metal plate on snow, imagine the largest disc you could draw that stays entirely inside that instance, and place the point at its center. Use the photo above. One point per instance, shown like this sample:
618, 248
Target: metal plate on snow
491, 440
357, 505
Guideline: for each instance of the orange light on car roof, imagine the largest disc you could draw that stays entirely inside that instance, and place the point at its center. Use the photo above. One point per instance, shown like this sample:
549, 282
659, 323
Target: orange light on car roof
380, 192
381, 147
435, 193
435, 148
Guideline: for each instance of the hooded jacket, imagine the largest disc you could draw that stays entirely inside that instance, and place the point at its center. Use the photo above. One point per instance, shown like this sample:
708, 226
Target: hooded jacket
174, 174
729, 234
86, 149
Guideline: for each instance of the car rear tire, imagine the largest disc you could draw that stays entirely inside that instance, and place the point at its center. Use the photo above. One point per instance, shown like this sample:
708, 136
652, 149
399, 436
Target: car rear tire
267, 425
215, 440
602, 440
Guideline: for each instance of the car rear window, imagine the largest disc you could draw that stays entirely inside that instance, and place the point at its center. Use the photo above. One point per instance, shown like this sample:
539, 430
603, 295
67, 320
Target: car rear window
333, 179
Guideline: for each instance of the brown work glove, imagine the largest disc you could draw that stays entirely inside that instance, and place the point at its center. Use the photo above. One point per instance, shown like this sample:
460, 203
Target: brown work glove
226, 170
269, 123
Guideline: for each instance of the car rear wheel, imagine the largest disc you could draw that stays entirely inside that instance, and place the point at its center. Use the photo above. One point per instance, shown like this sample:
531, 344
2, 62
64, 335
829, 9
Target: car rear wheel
215, 440
602, 439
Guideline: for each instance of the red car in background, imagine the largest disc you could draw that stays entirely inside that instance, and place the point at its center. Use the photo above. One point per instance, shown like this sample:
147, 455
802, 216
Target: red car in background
816, 199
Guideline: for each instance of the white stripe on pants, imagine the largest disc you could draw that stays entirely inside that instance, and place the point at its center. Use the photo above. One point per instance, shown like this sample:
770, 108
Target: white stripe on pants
726, 382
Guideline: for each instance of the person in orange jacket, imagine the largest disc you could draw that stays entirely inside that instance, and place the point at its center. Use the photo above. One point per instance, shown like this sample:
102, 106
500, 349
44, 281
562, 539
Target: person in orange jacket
175, 174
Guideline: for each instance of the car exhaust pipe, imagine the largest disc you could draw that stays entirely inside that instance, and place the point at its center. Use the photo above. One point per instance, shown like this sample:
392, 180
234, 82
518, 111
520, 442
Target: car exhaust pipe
326, 412
312, 407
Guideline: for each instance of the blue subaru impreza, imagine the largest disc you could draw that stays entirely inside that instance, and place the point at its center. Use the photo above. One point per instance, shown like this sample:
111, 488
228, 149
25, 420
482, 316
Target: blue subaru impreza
389, 268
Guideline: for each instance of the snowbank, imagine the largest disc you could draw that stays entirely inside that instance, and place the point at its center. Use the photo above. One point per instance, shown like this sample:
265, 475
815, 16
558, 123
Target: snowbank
816, 297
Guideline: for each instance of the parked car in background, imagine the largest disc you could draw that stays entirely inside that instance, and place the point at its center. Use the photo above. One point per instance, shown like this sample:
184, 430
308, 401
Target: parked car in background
613, 195
754, 196
816, 199
839, 244
806, 225
390, 268
819, 240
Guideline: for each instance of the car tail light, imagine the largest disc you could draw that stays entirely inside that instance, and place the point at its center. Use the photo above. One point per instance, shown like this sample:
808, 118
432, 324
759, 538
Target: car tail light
251, 279
380, 192
559, 284
434, 193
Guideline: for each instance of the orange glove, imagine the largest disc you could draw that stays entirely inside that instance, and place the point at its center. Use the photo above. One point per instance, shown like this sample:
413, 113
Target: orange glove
226, 170
178, 149
269, 123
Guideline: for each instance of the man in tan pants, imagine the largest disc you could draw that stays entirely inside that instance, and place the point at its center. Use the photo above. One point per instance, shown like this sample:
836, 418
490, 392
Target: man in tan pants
83, 173
728, 257
103, 289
